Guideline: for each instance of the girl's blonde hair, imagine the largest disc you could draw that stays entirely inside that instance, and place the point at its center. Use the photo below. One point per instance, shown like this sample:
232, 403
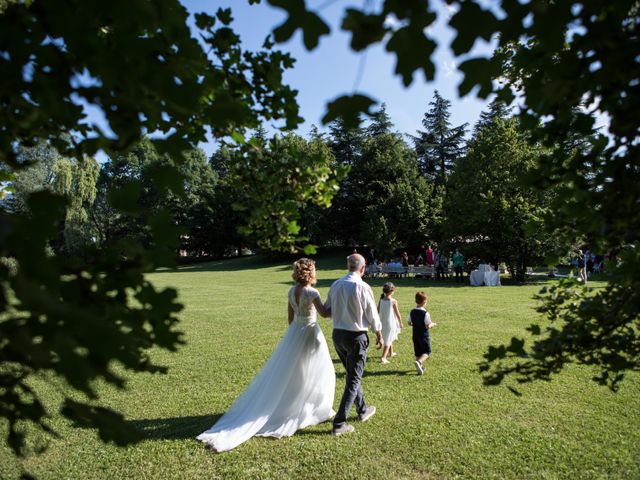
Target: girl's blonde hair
304, 271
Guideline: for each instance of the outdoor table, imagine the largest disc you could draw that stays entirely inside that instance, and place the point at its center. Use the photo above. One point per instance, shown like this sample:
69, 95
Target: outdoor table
476, 278
492, 278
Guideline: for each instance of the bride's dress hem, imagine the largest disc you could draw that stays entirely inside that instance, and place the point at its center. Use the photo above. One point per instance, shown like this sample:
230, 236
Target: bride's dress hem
293, 390
209, 439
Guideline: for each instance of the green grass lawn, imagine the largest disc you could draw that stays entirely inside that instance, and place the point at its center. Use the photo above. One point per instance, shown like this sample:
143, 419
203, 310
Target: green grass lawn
444, 424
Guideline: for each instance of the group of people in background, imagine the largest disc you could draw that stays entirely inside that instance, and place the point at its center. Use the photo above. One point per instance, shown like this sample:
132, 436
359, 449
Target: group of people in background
440, 261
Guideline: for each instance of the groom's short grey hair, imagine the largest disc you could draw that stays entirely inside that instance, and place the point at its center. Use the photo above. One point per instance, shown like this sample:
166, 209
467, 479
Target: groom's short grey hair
355, 262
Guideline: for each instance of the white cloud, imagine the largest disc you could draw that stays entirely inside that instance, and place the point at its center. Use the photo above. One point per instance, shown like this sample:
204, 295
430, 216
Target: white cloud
449, 68
391, 21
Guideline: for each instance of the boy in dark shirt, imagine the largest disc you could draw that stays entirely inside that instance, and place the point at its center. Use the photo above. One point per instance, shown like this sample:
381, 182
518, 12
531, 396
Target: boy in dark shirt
421, 322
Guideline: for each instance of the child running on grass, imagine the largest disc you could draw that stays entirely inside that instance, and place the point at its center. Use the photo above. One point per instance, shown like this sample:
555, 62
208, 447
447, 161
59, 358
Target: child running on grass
390, 319
421, 322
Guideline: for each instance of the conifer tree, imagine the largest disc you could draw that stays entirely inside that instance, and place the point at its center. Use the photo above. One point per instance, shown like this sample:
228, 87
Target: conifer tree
381, 122
440, 145
497, 110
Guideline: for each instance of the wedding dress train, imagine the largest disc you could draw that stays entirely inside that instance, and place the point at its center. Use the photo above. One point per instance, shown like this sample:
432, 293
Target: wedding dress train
293, 390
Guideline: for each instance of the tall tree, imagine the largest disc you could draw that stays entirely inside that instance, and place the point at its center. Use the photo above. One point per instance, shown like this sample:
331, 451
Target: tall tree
489, 212
345, 141
76, 180
389, 190
380, 122
497, 110
346, 145
218, 230
181, 189
439, 145
288, 166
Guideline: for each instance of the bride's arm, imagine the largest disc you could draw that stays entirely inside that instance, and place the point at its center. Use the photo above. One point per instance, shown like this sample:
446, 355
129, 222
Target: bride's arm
290, 313
324, 312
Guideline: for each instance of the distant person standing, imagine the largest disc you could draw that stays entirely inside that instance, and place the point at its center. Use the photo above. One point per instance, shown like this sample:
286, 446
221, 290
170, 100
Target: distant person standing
582, 266
353, 310
372, 257
429, 257
458, 266
442, 266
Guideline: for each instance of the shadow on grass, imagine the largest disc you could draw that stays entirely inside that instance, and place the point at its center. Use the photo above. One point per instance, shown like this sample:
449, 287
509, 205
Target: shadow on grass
321, 433
176, 428
382, 373
184, 428
236, 264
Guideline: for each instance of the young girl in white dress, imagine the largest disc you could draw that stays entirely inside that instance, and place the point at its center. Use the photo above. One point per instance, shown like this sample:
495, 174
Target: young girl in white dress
391, 320
295, 388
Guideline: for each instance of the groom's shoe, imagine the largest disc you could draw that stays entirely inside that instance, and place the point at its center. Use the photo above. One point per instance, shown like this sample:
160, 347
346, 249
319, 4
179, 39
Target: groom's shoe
342, 429
369, 412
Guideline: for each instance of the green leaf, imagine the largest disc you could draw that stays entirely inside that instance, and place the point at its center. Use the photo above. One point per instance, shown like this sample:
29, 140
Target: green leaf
167, 177
237, 137
293, 228
480, 72
224, 15
312, 26
268, 42
471, 22
365, 29
348, 108
204, 21
413, 52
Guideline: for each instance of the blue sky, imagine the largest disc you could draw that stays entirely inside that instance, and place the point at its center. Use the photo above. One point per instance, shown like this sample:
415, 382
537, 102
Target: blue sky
332, 68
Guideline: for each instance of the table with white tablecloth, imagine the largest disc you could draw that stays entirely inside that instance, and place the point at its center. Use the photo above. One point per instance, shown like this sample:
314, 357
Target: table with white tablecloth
476, 278
484, 275
492, 278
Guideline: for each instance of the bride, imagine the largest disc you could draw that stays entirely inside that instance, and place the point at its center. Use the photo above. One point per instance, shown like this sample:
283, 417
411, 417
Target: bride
295, 388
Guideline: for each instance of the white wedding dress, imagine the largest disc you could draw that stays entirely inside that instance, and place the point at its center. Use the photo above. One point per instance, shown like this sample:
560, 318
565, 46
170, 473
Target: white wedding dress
293, 390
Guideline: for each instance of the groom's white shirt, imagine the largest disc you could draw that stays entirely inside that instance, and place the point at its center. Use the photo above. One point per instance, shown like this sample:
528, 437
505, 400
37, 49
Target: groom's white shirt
352, 305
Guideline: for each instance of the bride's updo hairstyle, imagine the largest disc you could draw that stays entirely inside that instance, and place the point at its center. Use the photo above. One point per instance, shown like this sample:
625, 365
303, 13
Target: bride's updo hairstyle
304, 271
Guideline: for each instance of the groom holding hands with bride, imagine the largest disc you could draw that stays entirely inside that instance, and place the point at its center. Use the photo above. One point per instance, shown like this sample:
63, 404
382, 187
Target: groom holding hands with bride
353, 310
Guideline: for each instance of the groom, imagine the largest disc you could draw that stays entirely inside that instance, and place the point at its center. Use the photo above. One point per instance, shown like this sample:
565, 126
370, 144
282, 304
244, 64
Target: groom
353, 309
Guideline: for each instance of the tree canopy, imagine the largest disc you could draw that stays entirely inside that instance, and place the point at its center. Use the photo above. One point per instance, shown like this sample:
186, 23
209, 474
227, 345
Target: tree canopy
439, 145
139, 63
489, 210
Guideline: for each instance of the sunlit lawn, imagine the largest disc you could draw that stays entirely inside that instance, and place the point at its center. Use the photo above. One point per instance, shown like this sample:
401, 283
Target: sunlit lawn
444, 424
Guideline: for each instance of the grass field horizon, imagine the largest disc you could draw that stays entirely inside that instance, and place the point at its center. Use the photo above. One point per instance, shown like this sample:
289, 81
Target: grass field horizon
444, 424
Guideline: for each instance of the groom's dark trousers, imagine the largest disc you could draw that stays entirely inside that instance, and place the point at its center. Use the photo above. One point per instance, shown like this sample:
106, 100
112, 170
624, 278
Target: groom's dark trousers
352, 350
